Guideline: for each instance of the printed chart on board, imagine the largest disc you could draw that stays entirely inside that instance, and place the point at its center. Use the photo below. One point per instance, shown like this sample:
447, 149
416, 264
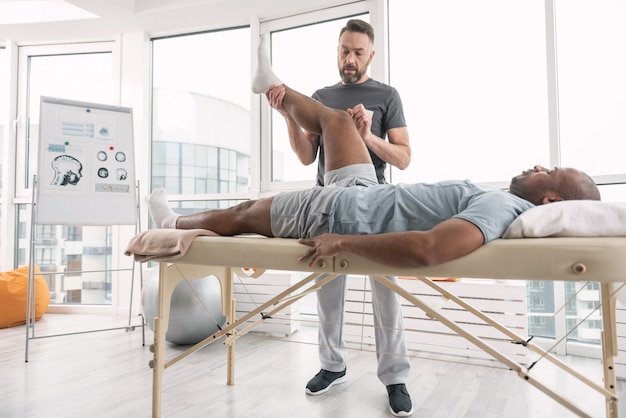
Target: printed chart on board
86, 164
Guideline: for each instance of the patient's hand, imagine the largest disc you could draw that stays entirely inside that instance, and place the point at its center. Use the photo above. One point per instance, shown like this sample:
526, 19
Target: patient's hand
326, 245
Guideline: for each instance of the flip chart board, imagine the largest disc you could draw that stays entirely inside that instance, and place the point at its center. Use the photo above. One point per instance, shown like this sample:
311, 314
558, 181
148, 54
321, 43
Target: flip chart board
86, 160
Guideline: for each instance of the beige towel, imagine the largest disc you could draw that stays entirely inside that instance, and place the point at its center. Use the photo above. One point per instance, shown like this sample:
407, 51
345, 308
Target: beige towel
163, 244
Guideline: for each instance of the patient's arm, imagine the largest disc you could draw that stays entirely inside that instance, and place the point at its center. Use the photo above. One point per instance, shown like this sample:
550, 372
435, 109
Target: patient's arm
446, 241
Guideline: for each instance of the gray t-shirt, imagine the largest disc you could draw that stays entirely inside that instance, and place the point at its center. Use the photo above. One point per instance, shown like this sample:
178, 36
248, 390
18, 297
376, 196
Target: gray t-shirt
419, 207
380, 98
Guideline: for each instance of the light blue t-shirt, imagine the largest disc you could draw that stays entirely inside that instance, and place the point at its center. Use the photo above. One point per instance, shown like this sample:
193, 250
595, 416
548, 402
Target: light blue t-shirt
419, 207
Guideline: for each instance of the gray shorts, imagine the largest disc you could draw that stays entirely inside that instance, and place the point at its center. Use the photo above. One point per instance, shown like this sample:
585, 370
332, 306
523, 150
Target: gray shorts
304, 213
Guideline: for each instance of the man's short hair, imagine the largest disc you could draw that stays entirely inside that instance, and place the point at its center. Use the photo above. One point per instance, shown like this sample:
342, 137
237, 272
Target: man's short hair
358, 25
584, 188
579, 187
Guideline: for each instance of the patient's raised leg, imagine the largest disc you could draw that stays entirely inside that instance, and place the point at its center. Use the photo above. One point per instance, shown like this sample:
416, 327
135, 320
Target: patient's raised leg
342, 142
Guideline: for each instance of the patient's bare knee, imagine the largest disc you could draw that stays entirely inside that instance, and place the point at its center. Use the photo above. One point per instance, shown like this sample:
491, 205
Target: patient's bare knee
253, 216
336, 122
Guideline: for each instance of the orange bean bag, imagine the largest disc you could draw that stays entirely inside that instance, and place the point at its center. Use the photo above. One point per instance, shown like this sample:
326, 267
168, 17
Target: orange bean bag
13, 296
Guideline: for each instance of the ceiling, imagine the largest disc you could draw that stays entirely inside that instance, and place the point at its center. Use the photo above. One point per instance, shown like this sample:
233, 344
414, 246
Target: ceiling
98, 19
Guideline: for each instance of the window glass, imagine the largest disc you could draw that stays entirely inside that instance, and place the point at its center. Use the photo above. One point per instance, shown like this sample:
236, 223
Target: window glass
67, 76
592, 86
75, 261
582, 312
307, 66
77, 72
66, 72
476, 106
201, 113
613, 192
472, 77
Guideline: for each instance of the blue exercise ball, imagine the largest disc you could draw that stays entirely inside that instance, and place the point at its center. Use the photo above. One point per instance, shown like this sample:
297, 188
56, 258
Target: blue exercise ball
195, 311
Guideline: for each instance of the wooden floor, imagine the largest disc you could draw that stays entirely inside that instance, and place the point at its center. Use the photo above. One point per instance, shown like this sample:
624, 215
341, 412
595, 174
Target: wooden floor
106, 374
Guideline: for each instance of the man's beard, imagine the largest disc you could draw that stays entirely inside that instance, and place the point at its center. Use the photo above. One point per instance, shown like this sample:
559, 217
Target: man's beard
350, 79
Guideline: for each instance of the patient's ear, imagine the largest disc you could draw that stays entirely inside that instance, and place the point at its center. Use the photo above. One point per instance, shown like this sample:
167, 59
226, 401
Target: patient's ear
550, 198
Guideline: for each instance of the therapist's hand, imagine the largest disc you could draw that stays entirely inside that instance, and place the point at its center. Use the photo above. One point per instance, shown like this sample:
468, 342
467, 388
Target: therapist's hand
362, 119
326, 245
275, 97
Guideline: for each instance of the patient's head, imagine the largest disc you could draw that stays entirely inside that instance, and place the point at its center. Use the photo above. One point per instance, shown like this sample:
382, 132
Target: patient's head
540, 185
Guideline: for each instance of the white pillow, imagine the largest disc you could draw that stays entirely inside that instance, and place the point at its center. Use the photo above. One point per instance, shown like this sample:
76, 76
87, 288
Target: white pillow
571, 218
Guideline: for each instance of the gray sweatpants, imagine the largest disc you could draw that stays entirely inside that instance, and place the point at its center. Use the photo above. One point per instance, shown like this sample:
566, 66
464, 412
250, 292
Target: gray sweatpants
391, 351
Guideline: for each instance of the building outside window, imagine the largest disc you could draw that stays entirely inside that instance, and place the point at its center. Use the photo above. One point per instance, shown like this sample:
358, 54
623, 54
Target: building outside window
201, 145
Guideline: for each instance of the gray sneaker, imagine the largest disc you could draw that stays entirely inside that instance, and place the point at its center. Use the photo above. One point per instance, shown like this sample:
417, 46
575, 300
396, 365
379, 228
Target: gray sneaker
323, 381
400, 403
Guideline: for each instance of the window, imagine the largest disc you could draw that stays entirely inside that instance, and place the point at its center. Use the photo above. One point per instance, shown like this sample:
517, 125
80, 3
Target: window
536, 302
477, 107
285, 166
592, 85
591, 89
66, 72
73, 233
201, 137
472, 77
304, 55
46, 231
46, 257
83, 72
74, 263
593, 286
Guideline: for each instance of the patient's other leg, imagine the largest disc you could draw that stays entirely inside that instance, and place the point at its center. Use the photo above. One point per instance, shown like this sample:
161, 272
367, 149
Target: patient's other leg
247, 217
342, 142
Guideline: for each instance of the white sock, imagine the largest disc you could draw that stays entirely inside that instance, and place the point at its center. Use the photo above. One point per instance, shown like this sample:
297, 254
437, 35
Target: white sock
162, 215
264, 77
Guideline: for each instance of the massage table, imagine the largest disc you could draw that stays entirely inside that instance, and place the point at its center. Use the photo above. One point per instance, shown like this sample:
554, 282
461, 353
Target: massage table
586, 258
